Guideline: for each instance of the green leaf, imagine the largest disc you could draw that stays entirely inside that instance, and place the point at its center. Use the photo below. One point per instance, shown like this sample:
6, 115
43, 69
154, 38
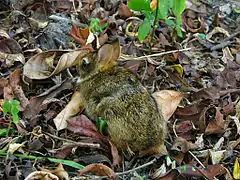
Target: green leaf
14, 102
14, 110
139, 5
4, 131
144, 29
67, 162
164, 6
179, 31
237, 11
177, 67
148, 15
170, 22
15, 119
178, 7
101, 124
62, 161
201, 36
6, 107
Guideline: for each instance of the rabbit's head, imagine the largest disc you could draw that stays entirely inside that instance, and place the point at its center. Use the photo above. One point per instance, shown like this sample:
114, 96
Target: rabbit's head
98, 61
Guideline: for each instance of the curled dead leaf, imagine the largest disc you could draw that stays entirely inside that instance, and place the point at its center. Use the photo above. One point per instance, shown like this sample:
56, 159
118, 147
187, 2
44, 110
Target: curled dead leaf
39, 66
217, 126
74, 106
167, 101
98, 169
215, 31
182, 145
124, 11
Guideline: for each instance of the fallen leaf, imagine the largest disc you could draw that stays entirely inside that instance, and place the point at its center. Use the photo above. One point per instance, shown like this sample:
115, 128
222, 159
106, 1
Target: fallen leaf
167, 101
80, 34
215, 31
36, 103
74, 106
37, 67
227, 55
3, 83
124, 11
98, 169
41, 175
216, 156
14, 147
115, 155
183, 126
82, 125
209, 172
9, 59
216, 126
182, 145
81, 121
236, 169
59, 172
11, 171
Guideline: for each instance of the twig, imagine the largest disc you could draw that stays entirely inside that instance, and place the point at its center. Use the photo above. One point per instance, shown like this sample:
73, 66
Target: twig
152, 55
139, 167
74, 142
196, 159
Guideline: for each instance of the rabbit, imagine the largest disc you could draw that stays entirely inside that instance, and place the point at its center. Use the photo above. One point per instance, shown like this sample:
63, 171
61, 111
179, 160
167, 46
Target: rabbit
134, 122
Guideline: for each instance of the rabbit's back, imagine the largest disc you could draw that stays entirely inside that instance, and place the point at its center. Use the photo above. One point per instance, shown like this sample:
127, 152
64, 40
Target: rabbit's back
131, 113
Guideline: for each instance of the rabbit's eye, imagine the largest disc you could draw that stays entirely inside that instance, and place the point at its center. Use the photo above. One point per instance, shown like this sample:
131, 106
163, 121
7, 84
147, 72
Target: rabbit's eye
85, 62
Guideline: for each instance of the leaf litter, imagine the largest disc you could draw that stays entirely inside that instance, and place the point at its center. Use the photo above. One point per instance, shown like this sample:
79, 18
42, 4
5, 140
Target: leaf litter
197, 88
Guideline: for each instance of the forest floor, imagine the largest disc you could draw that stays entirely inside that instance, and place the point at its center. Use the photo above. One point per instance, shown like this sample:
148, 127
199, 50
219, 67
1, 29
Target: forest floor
39, 43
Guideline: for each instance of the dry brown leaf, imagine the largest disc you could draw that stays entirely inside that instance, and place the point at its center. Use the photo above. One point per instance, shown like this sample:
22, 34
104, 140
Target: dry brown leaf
98, 169
216, 126
3, 83
72, 108
115, 155
83, 126
37, 67
4, 34
215, 31
11, 58
182, 145
167, 101
124, 11
216, 156
13, 90
40, 102
209, 172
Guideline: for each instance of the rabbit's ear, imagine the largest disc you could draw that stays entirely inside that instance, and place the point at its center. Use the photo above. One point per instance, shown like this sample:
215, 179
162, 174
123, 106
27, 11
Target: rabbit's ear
108, 55
109, 52
116, 50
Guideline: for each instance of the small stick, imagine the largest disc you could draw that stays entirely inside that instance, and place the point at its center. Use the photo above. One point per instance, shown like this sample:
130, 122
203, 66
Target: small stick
152, 55
74, 142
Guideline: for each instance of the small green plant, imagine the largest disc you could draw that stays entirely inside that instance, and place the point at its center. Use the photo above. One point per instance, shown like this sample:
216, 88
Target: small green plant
10, 108
161, 12
95, 26
101, 124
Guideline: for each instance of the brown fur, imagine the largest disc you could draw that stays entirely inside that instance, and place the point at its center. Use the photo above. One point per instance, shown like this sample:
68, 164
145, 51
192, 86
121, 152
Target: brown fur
115, 94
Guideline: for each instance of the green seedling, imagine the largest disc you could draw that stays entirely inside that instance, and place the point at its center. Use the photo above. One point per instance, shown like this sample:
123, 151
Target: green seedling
95, 27
10, 108
161, 12
101, 124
